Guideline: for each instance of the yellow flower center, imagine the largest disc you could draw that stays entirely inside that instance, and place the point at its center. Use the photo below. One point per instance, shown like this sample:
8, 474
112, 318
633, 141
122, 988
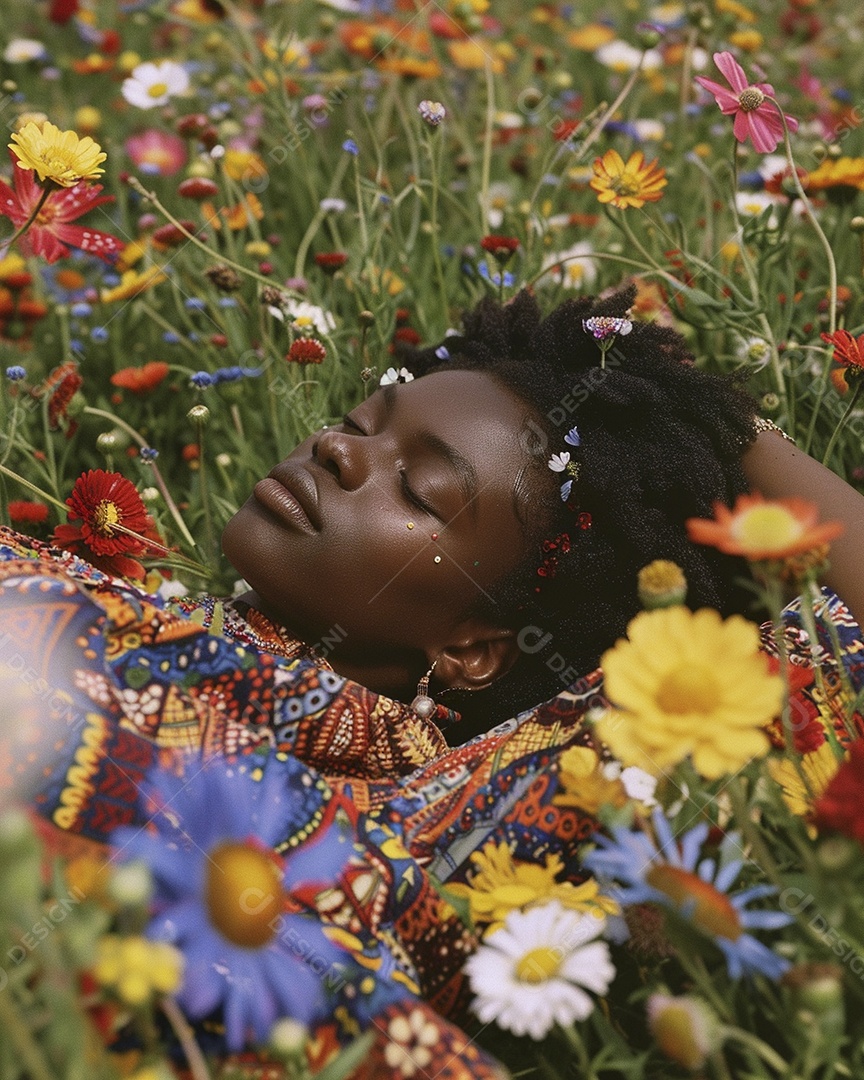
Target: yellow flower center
538, 965
765, 528
690, 688
244, 894
158, 89
750, 99
708, 909
105, 516
626, 184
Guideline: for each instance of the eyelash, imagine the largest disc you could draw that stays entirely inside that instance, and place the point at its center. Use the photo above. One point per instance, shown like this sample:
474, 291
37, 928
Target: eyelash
407, 491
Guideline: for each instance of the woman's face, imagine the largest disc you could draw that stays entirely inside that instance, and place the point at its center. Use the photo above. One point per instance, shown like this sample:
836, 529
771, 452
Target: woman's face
392, 524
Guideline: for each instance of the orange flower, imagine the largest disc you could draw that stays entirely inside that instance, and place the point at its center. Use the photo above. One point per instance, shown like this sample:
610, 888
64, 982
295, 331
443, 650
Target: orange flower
630, 184
848, 350
761, 529
141, 380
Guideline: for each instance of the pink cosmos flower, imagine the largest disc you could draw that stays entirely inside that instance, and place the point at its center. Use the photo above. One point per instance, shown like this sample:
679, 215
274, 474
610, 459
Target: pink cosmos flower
52, 230
755, 118
157, 153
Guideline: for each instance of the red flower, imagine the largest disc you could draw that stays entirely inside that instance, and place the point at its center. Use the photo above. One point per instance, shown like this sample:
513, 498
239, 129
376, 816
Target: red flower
53, 230
406, 335
306, 351
197, 187
839, 807
848, 351
107, 505
171, 235
331, 261
23, 512
141, 380
502, 247
755, 118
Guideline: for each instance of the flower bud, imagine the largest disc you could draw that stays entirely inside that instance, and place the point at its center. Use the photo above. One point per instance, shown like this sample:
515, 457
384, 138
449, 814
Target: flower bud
223, 461
661, 584
199, 413
288, 1037
366, 318
686, 1029
857, 224
107, 442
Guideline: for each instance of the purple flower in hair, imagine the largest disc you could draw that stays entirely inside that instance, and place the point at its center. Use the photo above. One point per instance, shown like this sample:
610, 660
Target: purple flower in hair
601, 327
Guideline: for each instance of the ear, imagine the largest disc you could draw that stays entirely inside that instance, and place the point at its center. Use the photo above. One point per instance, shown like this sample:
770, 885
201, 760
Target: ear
476, 655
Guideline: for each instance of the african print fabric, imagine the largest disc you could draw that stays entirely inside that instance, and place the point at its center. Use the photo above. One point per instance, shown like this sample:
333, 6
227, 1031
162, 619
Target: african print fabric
117, 684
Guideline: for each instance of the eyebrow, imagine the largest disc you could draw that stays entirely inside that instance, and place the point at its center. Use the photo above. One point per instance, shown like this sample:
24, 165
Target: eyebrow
466, 474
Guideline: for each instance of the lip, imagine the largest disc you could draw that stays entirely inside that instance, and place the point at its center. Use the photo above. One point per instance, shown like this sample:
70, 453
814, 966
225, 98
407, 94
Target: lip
290, 494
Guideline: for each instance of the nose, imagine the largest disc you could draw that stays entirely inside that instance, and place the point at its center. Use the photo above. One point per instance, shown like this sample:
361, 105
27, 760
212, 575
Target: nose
344, 456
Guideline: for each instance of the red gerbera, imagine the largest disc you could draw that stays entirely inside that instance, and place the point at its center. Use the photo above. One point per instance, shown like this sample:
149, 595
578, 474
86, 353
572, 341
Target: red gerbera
24, 512
52, 230
502, 247
141, 380
839, 807
848, 350
109, 509
306, 351
63, 383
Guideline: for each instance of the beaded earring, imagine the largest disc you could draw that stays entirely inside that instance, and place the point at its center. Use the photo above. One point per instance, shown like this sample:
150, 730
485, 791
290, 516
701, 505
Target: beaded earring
424, 706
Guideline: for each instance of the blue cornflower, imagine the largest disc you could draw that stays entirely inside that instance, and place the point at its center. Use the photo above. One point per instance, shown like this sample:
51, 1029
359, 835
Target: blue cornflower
194, 303
80, 310
227, 302
442, 352
232, 374
669, 871
15, 373
99, 333
170, 338
148, 454
351, 147
495, 279
202, 379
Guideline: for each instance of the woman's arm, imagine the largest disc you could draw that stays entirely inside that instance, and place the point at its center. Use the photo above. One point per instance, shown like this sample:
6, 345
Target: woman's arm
778, 470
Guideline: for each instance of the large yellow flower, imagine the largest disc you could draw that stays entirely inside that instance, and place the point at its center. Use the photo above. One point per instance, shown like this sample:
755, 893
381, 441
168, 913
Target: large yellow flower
501, 885
627, 184
583, 783
688, 683
59, 156
133, 283
842, 172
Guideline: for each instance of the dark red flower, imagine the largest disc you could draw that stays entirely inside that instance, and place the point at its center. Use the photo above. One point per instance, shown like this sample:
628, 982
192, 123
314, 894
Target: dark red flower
171, 235
306, 351
23, 512
839, 807
52, 233
197, 187
501, 247
141, 380
331, 261
407, 335
107, 505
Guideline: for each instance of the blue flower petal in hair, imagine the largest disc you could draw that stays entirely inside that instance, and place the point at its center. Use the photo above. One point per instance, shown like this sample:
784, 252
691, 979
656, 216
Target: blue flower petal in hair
572, 437
565, 490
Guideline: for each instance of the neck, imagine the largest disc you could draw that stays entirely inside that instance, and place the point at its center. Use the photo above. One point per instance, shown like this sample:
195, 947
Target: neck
394, 674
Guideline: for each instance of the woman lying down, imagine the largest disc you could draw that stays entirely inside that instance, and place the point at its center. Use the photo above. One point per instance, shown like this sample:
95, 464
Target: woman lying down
463, 547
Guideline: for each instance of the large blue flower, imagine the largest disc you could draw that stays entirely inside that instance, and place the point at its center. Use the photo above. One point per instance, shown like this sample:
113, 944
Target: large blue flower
239, 912
669, 871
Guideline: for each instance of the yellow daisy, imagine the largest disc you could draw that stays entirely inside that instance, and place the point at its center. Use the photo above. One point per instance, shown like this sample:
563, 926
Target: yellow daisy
132, 283
583, 783
501, 884
627, 184
57, 156
803, 782
688, 683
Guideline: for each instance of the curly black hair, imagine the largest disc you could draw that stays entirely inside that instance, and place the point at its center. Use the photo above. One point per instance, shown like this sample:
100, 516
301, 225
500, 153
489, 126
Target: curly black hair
660, 441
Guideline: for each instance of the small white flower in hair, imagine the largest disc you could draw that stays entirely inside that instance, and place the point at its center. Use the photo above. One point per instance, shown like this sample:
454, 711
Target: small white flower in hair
391, 375
559, 462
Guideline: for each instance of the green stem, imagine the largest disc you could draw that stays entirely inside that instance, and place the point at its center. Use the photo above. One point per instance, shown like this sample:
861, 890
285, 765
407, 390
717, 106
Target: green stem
205, 494
186, 1038
33, 215
605, 117
836, 432
32, 487
18, 1033
486, 162
760, 1048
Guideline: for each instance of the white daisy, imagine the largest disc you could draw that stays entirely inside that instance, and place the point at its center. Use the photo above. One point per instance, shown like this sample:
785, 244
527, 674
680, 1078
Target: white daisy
530, 974
22, 50
306, 316
621, 56
151, 84
572, 268
753, 203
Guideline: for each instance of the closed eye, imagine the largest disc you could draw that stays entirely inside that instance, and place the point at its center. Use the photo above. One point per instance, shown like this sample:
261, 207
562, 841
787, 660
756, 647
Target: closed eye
413, 498
352, 424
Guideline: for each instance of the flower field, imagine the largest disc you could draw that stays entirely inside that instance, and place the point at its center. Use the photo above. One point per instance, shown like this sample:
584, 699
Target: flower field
220, 222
